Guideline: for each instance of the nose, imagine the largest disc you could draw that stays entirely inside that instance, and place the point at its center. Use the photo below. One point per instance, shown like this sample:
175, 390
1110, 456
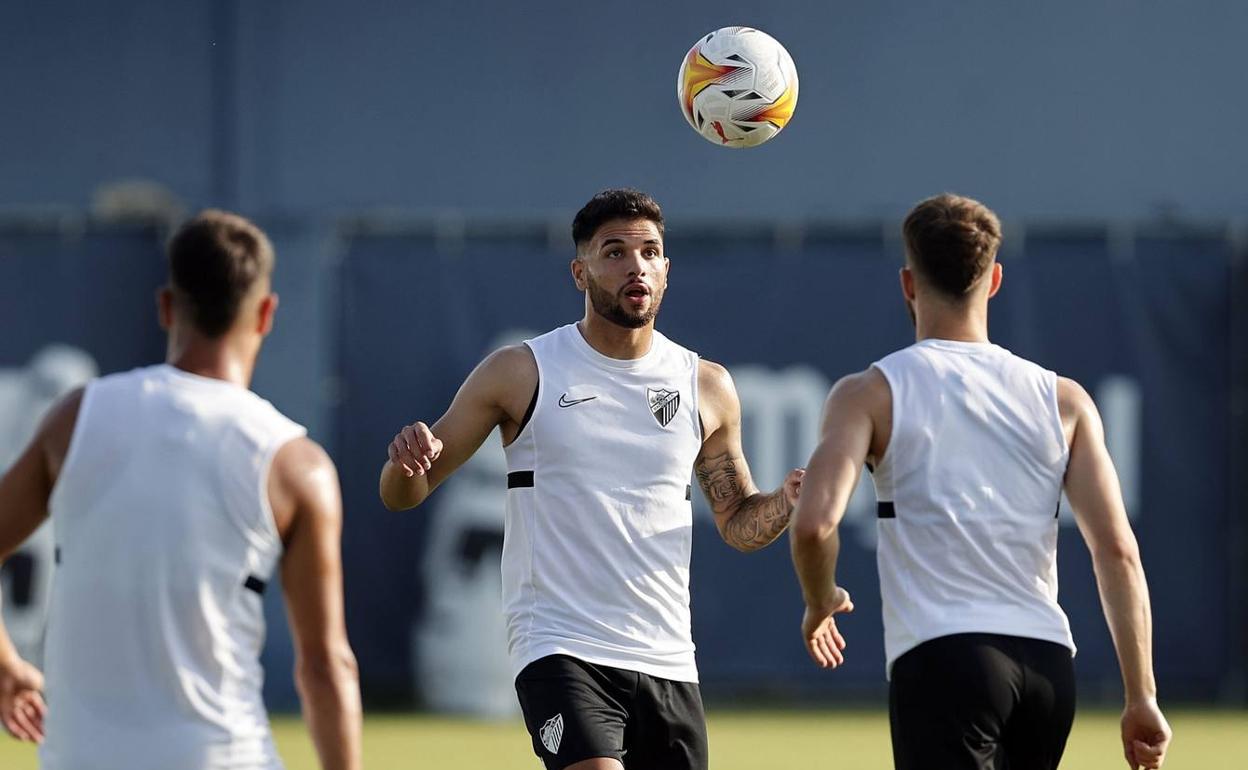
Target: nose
637, 263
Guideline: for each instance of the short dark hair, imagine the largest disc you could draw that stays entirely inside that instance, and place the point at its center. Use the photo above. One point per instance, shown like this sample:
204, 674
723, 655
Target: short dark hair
214, 260
617, 203
951, 241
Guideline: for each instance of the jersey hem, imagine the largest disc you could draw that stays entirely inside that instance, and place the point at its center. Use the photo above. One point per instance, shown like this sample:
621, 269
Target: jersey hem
1044, 635
680, 672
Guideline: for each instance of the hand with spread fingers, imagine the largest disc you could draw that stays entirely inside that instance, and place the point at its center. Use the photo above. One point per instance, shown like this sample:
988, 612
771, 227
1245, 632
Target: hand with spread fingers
21, 700
823, 639
415, 449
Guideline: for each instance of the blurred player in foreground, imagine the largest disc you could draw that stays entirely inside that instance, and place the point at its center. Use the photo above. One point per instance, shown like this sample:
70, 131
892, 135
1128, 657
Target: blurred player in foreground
970, 448
174, 493
603, 422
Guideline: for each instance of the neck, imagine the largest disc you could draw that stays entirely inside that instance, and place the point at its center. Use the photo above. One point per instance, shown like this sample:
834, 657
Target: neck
942, 322
613, 340
220, 359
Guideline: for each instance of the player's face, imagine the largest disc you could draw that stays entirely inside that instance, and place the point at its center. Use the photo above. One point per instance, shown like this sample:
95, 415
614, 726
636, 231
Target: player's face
625, 272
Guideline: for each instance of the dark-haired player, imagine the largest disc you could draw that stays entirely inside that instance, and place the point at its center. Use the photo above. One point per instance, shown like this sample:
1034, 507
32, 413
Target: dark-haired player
175, 493
970, 448
604, 421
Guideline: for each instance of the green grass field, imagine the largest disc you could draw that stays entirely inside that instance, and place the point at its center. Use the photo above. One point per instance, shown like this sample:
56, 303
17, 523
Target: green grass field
740, 740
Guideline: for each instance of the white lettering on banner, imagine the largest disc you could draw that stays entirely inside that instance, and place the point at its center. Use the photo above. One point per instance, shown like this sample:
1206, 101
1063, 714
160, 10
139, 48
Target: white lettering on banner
781, 411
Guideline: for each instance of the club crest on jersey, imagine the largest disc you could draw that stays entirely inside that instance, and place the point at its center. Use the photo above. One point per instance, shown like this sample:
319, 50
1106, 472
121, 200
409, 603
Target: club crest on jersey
552, 733
663, 404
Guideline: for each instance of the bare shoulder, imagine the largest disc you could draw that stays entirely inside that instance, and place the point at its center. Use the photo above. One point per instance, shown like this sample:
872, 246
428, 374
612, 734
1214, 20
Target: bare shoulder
512, 358
1077, 410
302, 454
513, 365
303, 478
718, 404
64, 413
714, 382
866, 389
1072, 399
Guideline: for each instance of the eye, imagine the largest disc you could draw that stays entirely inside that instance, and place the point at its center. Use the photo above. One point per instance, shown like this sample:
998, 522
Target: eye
614, 254
651, 252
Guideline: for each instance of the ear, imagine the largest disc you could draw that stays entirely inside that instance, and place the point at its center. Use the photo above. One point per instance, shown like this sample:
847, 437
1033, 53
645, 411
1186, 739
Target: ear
164, 307
267, 309
667, 270
578, 273
907, 283
995, 285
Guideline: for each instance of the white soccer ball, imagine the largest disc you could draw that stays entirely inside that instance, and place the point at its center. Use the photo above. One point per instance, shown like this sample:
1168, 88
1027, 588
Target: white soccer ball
737, 87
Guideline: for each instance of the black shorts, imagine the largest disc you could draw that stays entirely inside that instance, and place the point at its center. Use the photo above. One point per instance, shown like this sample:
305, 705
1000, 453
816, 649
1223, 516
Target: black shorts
981, 702
576, 711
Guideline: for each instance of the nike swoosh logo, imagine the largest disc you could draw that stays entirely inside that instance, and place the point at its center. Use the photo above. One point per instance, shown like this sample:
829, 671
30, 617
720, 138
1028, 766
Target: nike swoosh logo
565, 403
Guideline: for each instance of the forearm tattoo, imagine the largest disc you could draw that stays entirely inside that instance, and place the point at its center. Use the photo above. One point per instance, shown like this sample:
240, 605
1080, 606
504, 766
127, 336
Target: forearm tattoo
752, 521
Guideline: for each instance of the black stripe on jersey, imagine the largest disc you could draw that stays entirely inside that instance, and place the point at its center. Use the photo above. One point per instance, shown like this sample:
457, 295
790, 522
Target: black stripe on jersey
688, 491
885, 510
253, 583
519, 479
56, 555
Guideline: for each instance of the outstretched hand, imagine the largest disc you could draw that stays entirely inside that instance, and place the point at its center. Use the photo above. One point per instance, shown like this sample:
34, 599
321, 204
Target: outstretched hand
21, 701
1145, 735
823, 639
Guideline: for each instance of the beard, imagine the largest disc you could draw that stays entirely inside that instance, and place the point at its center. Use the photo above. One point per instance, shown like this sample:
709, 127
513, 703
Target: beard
609, 307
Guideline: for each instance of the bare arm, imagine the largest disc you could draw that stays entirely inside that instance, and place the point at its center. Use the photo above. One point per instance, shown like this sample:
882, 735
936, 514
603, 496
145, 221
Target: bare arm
1093, 490
24, 492
307, 503
496, 393
847, 439
746, 518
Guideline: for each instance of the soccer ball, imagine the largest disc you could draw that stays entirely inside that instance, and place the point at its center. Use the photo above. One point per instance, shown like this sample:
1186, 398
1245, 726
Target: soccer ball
737, 87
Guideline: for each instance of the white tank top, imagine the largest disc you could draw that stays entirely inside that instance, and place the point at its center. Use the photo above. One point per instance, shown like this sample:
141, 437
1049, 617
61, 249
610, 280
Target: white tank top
599, 524
165, 541
968, 494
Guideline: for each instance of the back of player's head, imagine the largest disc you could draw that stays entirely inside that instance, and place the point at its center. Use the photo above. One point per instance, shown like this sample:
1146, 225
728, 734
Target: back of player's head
215, 259
951, 241
619, 203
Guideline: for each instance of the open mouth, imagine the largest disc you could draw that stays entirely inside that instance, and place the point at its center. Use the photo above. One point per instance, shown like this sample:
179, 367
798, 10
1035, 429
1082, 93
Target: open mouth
637, 292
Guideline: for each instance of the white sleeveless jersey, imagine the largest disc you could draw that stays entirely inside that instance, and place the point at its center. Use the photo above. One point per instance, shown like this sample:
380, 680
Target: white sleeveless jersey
165, 541
599, 521
968, 495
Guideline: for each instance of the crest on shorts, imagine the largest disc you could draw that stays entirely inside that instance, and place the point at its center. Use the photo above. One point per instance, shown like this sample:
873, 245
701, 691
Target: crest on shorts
663, 404
552, 733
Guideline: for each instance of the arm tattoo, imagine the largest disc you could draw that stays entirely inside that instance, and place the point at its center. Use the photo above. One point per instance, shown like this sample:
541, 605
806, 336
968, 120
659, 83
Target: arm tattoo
753, 521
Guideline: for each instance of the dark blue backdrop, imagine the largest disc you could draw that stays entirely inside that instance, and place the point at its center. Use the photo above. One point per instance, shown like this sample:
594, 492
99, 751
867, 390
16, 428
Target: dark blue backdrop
1153, 312
409, 316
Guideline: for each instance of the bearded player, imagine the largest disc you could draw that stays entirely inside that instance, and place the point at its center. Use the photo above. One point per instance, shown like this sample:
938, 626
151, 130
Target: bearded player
604, 421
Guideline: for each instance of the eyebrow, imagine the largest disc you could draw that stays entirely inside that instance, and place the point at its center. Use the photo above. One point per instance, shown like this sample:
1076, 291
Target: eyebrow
621, 240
